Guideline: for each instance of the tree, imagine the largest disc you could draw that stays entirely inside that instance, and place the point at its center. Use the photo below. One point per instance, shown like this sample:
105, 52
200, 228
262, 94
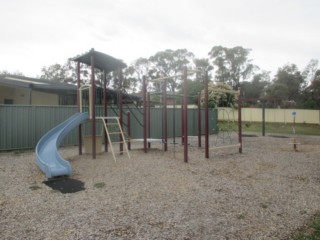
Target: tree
202, 64
255, 88
170, 63
311, 95
310, 70
135, 72
57, 72
16, 73
291, 78
218, 98
233, 65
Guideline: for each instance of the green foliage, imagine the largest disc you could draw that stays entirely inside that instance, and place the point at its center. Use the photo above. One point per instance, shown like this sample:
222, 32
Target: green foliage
99, 185
310, 232
194, 87
256, 87
288, 84
170, 63
218, 98
232, 64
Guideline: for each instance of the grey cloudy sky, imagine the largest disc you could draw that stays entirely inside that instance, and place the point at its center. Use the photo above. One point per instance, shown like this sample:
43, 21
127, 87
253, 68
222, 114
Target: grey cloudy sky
37, 33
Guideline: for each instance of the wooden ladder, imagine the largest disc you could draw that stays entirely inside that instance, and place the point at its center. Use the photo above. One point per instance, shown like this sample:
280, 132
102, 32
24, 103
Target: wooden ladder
112, 127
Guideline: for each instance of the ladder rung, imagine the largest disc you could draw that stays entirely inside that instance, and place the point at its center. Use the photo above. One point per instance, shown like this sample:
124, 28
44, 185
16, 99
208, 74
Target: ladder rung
114, 133
116, 142
109, 124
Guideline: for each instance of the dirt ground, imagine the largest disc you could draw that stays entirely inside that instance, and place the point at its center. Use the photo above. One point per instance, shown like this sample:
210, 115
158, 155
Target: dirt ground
267, 192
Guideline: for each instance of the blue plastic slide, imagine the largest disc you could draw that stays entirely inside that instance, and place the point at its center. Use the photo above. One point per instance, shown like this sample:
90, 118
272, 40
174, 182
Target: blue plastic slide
47, 155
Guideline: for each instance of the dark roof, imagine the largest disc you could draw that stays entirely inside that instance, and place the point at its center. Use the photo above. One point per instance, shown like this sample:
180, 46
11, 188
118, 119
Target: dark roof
36, 84
49, 86
102, 61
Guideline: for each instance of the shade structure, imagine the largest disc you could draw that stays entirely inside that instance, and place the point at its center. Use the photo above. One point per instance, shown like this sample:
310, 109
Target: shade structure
102, 61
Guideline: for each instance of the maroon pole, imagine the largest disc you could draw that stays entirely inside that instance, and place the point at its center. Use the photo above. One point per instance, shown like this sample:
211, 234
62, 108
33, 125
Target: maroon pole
93, 106
185, 115
206, 118
120, 108
144, 92
79, 110
164, 112
199, 119
182, 126
239, 122
129, 129
105, 108
149, 122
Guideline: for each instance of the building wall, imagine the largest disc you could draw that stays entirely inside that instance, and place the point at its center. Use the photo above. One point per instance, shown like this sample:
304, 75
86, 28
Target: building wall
5, 93
41, 98
22, 96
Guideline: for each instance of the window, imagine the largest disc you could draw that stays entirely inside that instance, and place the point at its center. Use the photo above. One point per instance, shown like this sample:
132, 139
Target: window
8, 101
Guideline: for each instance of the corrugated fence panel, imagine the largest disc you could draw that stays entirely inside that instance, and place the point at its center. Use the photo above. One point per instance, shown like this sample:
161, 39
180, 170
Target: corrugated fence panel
21, 126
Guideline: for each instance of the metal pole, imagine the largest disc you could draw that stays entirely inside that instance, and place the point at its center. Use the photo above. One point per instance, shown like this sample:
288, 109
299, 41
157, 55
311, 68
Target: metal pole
199, 119
105, 108
129, 130
120, 108
239, 122
164, 110
206, 118
185, 115
144, 91
174, 118
79, 99
263, 119
149, 122
93, 106
182, 123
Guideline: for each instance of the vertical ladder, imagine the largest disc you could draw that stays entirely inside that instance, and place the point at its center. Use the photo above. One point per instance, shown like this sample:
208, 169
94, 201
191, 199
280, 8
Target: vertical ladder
113, 127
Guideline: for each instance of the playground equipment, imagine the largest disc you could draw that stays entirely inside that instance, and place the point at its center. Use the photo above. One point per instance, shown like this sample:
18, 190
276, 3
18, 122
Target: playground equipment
294, 142
47, 155
237, 93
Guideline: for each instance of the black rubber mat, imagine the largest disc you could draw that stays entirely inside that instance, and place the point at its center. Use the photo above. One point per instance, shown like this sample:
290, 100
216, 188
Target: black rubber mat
65, 185
249, 135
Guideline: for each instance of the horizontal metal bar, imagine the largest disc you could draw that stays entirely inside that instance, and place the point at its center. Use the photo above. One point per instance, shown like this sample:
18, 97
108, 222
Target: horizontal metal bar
225, 91
225, 146
178, 75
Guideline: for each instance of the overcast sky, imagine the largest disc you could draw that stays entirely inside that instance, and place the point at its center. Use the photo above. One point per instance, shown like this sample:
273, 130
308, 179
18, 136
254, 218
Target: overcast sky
37, 33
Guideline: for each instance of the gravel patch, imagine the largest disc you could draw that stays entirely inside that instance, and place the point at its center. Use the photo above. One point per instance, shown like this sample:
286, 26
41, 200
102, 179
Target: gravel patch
267, 192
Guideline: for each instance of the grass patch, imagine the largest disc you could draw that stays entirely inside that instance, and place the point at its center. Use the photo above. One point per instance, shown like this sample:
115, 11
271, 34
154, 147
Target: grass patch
311, 231
99, 185
277, 128
34, 187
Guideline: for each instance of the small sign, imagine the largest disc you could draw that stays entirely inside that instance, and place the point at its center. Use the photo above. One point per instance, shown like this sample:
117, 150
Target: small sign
294, 114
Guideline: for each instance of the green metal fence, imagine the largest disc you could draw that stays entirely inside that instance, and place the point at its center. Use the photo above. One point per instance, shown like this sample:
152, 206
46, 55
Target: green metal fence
21, 126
